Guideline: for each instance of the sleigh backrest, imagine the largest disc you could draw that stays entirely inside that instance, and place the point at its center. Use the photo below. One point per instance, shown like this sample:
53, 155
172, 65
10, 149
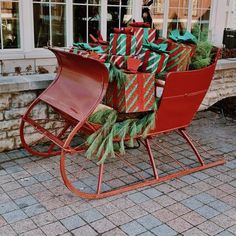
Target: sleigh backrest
80, 85
182, 96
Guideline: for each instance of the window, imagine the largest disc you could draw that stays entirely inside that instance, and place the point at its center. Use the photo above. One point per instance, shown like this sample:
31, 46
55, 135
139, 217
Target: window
177, 17
200, 19
49, 23
119, 14
86, 19
153, 13
167, 15
9, 25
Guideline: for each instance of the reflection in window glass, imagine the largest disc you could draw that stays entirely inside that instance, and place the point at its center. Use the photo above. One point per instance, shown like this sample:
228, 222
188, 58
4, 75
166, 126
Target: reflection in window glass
200, 19
49, 23
178, 15
86, 19
10, 25
153, 13
119, 14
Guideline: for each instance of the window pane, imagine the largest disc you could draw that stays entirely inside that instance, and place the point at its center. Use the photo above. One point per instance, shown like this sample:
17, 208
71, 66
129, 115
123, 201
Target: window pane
146, 10
112, 19
10, 24
42, 1
49, 19
200, 19
126, 16
113, 2
118, 16
58, 25
157, 14
94, 1
79, 20
178, 15
177, 19
41, 25
94, 20
61, 1
80, 1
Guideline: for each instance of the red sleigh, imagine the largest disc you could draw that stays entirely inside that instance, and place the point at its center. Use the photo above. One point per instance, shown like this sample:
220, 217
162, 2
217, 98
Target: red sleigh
79, 87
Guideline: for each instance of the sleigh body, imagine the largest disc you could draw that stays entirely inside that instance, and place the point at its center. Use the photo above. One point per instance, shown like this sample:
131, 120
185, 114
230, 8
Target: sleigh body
79, 87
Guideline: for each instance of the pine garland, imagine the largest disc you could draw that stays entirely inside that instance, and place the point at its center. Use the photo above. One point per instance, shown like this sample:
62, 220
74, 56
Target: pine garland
117, 75
101, 143
202, 57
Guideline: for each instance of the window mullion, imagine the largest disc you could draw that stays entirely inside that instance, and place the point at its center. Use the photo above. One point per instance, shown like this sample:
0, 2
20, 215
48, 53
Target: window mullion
137, 10
104, 19
87, 21
120, 15
165, 19
190, 9
50, 23
1, 25
69, 23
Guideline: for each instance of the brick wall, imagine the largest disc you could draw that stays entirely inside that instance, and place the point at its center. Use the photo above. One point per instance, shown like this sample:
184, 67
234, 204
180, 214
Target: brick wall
12, 107
223, 84
13, 67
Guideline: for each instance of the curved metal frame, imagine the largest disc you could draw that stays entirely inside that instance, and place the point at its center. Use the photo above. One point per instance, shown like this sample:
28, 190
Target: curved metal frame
194, 88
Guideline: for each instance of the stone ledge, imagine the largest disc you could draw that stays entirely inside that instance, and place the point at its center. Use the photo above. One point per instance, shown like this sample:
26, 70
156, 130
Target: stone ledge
224, 64
41, 81
25, 83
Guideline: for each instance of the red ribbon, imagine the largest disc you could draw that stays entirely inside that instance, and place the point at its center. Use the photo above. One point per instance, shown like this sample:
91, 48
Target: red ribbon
160, 64
128, 44
141, 91
123, 30
114, 46
145, 60
140, 24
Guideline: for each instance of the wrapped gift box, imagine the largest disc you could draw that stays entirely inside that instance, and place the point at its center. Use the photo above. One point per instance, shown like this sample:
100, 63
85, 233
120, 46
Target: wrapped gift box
180, 48
122, 44
180, 55
119, 61
153, 62
98, 56
137, 94
143, 34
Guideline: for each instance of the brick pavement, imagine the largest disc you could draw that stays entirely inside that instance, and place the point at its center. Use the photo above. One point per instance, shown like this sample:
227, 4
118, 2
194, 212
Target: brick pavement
34, 201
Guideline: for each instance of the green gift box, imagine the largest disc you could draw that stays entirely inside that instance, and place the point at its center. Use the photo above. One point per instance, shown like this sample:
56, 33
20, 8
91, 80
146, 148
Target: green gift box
122, 44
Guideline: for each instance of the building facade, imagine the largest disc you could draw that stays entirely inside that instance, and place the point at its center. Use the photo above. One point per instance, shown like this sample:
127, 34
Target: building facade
29, 25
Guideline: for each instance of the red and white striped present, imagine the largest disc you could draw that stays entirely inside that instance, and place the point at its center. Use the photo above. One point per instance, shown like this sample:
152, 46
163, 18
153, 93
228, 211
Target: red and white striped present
98, 56
143, 34
137, 94
119, 61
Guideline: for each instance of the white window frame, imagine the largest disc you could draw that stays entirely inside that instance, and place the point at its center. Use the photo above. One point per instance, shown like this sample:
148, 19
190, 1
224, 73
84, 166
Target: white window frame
13, 52
219, 10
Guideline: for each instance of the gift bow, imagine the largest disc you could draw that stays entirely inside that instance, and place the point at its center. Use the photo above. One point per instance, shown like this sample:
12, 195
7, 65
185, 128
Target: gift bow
123, 30
86, 46
140, 24
186, 38
162, 47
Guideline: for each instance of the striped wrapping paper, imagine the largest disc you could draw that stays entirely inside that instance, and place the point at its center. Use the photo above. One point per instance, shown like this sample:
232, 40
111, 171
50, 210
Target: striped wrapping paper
143, 34
136, 95
84, 53
153, 62
119, 61
122, 44
180, 55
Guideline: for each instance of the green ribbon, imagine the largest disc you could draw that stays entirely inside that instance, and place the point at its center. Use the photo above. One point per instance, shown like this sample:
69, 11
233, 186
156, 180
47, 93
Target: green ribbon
162, 47
86, 46
145, 34
186, 38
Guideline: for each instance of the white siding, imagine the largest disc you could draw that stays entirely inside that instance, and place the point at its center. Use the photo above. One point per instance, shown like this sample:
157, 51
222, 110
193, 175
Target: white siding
233, 15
